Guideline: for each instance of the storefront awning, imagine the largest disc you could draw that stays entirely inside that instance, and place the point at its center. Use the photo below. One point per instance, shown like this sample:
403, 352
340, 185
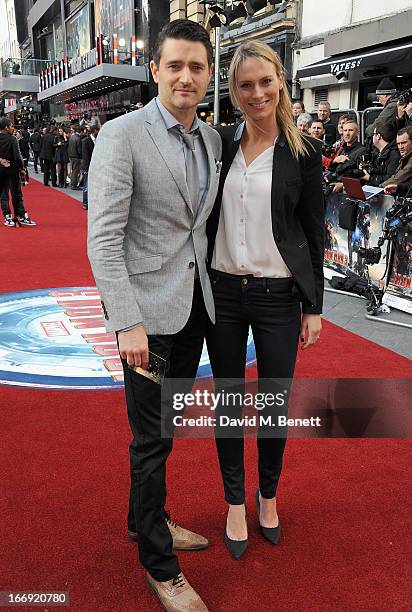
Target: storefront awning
358, 59
96, 81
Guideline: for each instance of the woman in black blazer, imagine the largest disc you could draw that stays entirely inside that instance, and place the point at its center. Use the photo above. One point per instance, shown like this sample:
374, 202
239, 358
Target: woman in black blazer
266, 235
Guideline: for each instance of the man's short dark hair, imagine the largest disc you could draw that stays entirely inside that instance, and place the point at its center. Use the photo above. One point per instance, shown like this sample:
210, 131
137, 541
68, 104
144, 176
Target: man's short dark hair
405, 130
183, 29
4, 123
94, 129
316, 120
386, 131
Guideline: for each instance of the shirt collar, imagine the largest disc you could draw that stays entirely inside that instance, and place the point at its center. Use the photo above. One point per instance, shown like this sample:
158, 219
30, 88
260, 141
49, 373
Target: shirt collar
171, 121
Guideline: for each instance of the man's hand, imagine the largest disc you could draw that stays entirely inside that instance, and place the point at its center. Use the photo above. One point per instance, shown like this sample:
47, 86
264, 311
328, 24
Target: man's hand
400, 110
390, 189
310, 329
133, 347
338, 187
5, 163
340, 159
366, 175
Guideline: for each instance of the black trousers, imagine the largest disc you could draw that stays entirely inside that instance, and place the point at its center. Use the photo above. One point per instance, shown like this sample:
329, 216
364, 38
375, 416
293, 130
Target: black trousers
270, 307
49, 172
149, 450
75, 164
10, 181
36, 161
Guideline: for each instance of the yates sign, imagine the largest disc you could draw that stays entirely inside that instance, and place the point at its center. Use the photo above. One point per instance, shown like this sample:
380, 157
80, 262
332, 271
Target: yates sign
343, 66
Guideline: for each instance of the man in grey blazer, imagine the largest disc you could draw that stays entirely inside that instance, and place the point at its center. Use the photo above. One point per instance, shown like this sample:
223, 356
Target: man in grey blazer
153, 180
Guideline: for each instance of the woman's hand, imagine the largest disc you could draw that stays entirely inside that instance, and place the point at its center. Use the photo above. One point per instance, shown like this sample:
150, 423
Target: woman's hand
310, 329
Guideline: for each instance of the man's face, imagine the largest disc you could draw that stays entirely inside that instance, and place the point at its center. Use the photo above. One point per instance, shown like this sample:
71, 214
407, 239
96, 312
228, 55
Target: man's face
317, 130
382, 98
350, 132
10, 129
183, 74
323, 112
404, 144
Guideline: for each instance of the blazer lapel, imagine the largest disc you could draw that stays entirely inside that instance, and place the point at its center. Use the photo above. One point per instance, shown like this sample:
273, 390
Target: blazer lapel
158, 133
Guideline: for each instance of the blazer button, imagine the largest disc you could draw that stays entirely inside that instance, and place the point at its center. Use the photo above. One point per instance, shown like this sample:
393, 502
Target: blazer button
191, 265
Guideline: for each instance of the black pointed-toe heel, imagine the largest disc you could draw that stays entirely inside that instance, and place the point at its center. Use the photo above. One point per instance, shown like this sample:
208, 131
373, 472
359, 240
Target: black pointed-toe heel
236, 547
271, 534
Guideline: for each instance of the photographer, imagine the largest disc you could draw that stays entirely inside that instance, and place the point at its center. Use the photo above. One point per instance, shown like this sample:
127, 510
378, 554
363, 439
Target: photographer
385, 162
404, 111
403, 171
387, 96
347, 162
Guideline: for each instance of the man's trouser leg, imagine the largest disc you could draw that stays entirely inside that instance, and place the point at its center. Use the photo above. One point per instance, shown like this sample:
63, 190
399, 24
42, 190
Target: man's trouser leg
148, 450
75, 165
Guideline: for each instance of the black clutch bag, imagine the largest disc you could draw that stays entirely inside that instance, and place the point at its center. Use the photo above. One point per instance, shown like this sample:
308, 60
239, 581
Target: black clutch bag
348, 215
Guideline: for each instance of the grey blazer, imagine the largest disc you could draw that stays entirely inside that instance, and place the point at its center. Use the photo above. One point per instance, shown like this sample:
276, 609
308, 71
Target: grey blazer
143, 238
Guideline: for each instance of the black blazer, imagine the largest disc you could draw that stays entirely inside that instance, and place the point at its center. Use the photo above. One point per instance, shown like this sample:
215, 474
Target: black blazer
297, 212
87, 152
47, 148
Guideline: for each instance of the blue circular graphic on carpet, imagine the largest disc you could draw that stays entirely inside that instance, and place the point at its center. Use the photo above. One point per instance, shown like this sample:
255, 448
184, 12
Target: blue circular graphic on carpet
55, 339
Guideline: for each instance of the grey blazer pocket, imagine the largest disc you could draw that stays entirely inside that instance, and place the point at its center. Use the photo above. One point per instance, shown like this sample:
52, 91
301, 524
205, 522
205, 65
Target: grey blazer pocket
143, 264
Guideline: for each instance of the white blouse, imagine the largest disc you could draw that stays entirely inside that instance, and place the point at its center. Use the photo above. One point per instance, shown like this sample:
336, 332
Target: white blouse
244, 240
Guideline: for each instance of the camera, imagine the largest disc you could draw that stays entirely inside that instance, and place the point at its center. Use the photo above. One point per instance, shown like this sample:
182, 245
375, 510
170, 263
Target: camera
405, 97
371, 256
396, 220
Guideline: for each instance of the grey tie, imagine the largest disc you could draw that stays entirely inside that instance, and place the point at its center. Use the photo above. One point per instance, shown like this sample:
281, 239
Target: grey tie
192, 170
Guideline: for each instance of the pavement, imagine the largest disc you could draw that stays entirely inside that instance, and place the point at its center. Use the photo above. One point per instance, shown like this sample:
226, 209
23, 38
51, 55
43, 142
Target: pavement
346, 311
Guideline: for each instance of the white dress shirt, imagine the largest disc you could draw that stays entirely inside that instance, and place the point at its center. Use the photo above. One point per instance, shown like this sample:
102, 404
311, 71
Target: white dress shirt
244, 240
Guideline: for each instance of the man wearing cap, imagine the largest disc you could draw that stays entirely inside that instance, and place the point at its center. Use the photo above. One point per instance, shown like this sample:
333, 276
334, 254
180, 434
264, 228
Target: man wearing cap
386, 94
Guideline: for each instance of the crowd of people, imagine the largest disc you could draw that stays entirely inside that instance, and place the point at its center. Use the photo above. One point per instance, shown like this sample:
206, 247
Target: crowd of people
383, 160
61, 153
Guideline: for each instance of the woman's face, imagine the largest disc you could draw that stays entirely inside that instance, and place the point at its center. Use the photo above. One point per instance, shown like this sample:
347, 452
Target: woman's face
258, 88
61, 132
297, 109
303, 127
340, 127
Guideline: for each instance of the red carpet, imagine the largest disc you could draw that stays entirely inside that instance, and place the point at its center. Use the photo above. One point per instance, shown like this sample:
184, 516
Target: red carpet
64, 474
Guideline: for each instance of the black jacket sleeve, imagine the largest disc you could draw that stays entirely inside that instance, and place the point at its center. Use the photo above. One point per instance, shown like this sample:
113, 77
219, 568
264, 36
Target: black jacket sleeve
311, 213
387, 171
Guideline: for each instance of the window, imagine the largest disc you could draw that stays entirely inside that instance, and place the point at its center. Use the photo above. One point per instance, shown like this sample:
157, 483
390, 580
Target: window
321, 95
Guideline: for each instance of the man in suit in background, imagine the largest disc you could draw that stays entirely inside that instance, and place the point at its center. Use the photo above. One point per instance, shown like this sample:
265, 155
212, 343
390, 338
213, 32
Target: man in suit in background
47, 155
153, 181
87, 145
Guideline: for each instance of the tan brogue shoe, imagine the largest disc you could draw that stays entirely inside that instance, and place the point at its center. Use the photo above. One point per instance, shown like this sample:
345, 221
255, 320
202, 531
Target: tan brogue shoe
183, 539
177, 595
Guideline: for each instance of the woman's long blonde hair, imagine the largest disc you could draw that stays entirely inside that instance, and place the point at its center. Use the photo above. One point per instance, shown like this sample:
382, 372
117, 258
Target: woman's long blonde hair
284, 117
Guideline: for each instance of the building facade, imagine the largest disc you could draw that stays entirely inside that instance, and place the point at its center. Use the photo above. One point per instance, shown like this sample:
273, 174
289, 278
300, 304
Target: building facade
100, 51
271, 22
343, 49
